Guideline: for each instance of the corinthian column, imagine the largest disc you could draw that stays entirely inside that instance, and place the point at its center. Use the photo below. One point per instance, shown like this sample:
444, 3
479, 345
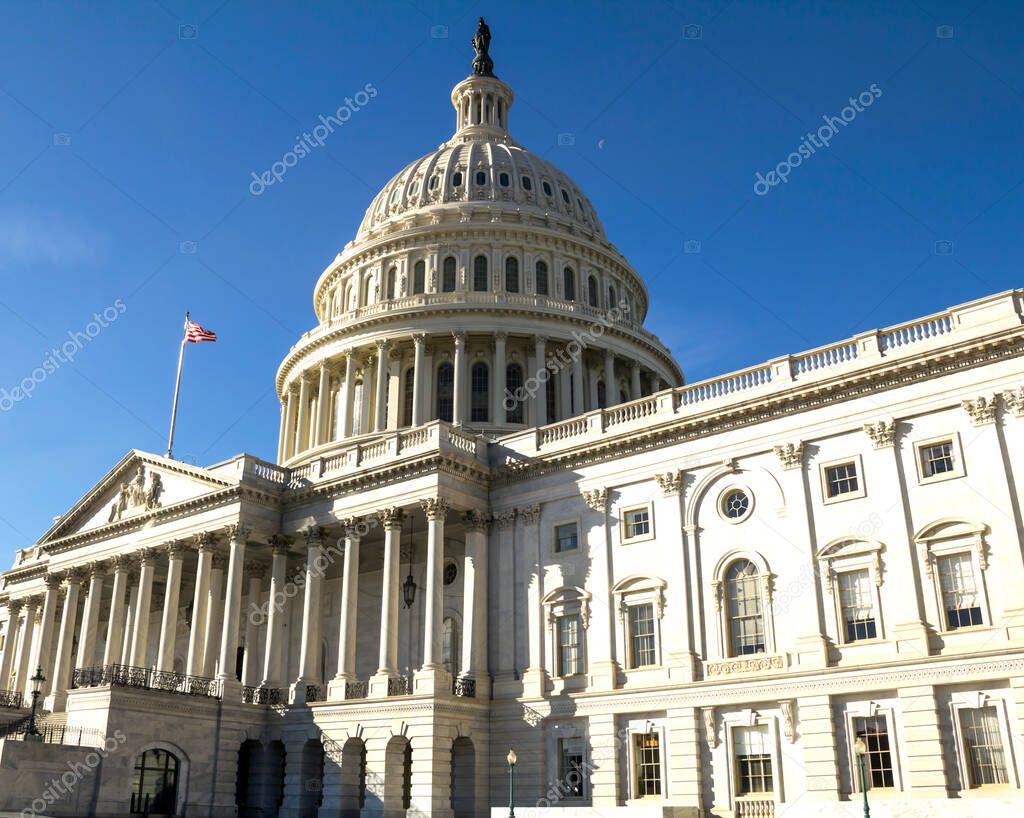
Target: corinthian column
214, 614
14, 607
143, 609
309, 648
323, 404
345, 395
432, 677
90, 617
115, 621
25, 645
204, 544
498, 380
539, 401
275, 613
237, 535
474, 594
387, 666
255, 570
62, 661
172, 596
380, 402
302, 435
419, 341
41, 657
349, 611
611, 391
459, 404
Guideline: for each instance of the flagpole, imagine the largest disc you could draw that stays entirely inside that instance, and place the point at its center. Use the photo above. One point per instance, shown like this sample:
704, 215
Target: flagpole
177, 387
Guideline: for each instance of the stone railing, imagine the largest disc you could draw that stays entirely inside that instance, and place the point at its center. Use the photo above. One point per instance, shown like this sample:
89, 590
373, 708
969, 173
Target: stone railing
754, 808
145, 678
11, 698
850, 357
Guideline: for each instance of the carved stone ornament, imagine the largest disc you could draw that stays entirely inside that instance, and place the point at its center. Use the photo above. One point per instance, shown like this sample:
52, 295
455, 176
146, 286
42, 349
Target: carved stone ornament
475, 520
791, 455
882, 433
788, 707
710, 726
204, 541
391, 517
530, 515
255, 569
436, 508
237, 531
314, 535
596, 499
982, 409
1015, 401
504, 519
671, 483
759, 664
134, 497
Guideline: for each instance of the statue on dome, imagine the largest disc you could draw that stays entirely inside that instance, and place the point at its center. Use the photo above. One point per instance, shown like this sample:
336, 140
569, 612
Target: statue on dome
483, 65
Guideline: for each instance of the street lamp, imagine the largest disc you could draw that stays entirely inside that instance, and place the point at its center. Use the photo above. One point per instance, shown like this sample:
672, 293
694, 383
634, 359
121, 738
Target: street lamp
511, 758
861, 749
37, 682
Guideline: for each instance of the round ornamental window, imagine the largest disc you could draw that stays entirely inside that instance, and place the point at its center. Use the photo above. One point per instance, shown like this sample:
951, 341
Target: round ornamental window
735, 505
451, 571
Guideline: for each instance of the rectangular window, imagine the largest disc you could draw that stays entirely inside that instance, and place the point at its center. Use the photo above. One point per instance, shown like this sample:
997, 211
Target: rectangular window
874, 730
857, 601
566, 537
638, 523
983, 746
570, 657
647, 749
753, 760
571, 769
936, 458
641, 636
841, 479
960, 597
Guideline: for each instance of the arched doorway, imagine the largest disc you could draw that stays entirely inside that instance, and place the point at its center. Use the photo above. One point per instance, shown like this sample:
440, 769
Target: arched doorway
155, 790
312, 778
353, 778
397, 775
463, 777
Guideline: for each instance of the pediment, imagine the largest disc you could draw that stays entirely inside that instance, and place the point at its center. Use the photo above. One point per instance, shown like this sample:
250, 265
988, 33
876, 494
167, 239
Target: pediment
140, 484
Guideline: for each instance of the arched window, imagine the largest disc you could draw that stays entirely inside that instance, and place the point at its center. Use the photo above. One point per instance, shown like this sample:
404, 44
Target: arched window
450, 645
155, 791
448, 275
419, 277
480, 283
357, 409
612, 300
592, 297
569, 284
445, 392
367, 290
392, 276
542, 278
512, 275
407, 390
480, 379
513, 394
744, 609
602, 395
346, 299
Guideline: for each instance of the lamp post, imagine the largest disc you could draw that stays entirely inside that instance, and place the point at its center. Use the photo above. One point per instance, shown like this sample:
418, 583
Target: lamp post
861, 749
37, 682
511, 758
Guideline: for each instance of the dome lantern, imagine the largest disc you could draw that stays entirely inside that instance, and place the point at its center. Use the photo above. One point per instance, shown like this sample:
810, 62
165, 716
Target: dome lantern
482, 100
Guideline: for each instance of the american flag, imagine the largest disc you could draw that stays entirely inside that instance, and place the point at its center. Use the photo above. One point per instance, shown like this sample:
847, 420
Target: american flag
195, 333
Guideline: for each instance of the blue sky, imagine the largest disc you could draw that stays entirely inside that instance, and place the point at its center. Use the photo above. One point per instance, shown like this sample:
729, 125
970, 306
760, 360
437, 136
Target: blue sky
131, 130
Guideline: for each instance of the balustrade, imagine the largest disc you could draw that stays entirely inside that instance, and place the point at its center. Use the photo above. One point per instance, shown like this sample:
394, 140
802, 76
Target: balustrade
145, 679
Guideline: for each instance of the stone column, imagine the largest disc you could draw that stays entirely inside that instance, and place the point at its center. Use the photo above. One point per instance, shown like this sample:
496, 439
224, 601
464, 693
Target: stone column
214, 615
539, 402
418, 400
62, 662
140, 628
14, 607
255, 571
47, 624
498, 380
275, 613
115, 622
578, 407
282, 433
504, 522
634, 380
309, 648
172, 597
593, 378
387, 667
323, 404
23, 671
347, 635
380, 400
432, 676
345, 395
535, 676
237, 535
302, 434
678, 642
460, 390
474, 605
200, 600
611, 391
90, 617
291, 410
600, 633
125, 655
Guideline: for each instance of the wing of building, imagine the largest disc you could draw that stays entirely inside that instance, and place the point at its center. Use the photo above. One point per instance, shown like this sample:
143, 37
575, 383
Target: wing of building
501, 520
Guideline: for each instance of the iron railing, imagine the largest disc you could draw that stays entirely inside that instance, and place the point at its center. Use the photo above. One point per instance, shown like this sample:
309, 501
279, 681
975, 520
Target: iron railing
357, 689
54, 734
399, 686
262, 695
463, 686
11, 698
145, 678
314, 693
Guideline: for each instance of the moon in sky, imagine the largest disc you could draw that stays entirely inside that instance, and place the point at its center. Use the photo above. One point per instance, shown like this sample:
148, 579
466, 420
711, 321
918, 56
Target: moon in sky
600, 144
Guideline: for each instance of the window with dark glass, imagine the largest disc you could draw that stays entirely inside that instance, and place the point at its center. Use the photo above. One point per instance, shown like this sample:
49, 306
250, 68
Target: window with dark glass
479, 400
641, 636
419, 277
565, 195
572, 770
566, 537
647, 761
513, 400
592, 296
445, 392
570, 655
409, 388
480, 283
392, 275
503, 179
448, 275
983, 746
542, 277
960, 597
481, 177
841, 479
550, 400
457, 179
857, 601
753, 760
937, 458
547, 187
569, 283
512, 275
874, 730
527, 183
155, 791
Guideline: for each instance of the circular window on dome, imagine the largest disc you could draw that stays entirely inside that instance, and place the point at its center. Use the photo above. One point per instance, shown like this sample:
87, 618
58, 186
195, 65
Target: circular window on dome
503, 179
547, 188
457, 179
527, 183
451, 571
735, 504
481, 177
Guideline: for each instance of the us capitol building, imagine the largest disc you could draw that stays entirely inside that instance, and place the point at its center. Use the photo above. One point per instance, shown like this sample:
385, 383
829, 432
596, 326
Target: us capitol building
499, 518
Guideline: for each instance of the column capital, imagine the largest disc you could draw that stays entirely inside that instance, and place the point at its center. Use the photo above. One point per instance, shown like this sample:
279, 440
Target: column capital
148, 557
982, 409
255, 569
540, 340
460, 338
204, 541
790, 455
349, 354
475, 520
419, 338
1015, 400
530, 515
220, 561
314, 535
175, 549
14, 606
79, 574
382, 344
392, 517
504, 519
596, 499
436, 508
237, 531
279, 544
53, 581
121, 563
671, 483
881, 432
501, 337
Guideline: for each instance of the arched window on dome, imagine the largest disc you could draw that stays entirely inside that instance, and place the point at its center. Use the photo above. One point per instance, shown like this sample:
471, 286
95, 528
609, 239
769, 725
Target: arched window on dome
480, 397
512, 274
367, 291
501, 113
480, 282
542, 277
445, 392
346, 299
592, 293
569, 283
612, 300
513, 402
408, 386
419, 277
448, 275
391, 283
744, 609
481, 177
602, 395
357, 408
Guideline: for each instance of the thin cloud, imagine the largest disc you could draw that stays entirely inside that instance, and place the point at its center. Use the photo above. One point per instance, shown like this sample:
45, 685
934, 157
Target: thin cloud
36, 237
